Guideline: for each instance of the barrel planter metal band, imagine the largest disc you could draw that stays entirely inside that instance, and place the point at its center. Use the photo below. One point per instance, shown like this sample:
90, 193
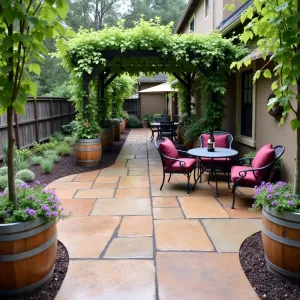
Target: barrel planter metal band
24, 234
281, 241
28, 288
282, 271
29, 253
21, 226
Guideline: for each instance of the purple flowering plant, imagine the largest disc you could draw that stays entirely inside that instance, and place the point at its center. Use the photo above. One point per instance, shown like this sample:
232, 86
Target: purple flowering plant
279, 196
33, 202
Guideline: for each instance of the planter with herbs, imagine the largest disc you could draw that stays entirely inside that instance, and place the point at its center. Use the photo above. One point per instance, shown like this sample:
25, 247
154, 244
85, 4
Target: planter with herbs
281, 228
28, 238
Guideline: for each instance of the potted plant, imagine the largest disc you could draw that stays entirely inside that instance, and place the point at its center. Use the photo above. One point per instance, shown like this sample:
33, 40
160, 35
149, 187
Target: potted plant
275, 173
117, 126
28, 238
145, 122
88, 149
281, 227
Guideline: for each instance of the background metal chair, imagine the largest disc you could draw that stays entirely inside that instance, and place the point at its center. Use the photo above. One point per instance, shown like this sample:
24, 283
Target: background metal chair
224, 165
167, 129
154, 129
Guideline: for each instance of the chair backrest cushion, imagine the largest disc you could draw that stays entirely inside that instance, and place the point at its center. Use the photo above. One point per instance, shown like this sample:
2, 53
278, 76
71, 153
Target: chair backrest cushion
262, 158
221, 140
168, 148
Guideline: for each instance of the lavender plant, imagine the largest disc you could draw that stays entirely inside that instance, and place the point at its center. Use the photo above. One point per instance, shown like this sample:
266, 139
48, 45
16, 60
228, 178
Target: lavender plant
33, 202
278, 196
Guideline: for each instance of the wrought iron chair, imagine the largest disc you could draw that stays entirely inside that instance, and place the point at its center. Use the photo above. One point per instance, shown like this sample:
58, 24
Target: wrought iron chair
261, 167
167, 129
222, 139
153, 129
172, 163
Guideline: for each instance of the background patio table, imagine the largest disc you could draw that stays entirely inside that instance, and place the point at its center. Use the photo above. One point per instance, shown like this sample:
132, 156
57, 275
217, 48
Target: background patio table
157, 124
218, 153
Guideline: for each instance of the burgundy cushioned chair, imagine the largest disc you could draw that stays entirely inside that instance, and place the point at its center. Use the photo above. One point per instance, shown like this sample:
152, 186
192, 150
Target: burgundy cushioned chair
172, 163
261, 167
223, 139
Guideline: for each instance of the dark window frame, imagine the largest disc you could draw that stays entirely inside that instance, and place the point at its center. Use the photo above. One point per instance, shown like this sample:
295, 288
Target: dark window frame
246, 113
192, 28
206, 8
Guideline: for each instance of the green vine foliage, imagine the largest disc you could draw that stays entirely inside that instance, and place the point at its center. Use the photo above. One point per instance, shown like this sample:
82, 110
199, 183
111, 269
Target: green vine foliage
193, 53
275, 24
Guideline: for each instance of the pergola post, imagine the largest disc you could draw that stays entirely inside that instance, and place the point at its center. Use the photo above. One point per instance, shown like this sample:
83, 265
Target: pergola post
85, 82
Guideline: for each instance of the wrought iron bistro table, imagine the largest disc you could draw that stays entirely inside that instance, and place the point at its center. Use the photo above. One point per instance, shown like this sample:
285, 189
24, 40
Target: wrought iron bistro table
157, 124
218, 153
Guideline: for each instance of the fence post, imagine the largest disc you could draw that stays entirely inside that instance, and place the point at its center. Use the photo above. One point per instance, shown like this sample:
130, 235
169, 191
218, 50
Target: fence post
69, 105
17, 134
36, 121
51, 116
61, 113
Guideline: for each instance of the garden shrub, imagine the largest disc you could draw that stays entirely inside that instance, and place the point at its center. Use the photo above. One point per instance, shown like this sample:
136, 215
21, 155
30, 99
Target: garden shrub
58, 136
47, 166
3, 171
70, 129
54, 158
26, 153
3, 182
49, 153
40, 148
63, 149
36, 160
25, 175
134, 122
70, 141
21, 163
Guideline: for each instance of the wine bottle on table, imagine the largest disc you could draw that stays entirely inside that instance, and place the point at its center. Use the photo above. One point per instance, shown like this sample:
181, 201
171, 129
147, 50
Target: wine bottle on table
211, 142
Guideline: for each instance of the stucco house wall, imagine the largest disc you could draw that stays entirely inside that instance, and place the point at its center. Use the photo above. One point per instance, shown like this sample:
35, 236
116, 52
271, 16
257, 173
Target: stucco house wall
265, 126
151, 103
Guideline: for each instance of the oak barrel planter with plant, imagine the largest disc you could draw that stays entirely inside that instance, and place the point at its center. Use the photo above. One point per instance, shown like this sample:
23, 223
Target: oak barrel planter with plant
27, 255
281, 240
280, 228
28, 238
107, 138
88, 152
123, 125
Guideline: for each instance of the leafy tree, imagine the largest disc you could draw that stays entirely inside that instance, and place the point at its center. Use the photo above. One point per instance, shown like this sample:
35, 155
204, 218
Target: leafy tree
24, 26
275, 24
167, 10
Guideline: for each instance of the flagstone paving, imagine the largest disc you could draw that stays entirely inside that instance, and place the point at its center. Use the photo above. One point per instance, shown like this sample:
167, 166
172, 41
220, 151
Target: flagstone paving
127, 239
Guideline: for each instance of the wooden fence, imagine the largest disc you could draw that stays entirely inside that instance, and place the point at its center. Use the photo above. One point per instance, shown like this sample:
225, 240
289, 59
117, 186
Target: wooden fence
42, 118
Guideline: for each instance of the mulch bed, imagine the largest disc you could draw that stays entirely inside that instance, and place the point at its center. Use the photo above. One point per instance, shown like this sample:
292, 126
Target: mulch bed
266, 285
51, 288
68, 164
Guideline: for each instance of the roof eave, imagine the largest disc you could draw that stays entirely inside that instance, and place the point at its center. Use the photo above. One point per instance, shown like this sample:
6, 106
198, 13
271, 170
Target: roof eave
178, 27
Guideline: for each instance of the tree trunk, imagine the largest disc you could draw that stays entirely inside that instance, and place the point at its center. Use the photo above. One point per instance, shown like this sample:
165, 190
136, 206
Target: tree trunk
10, 157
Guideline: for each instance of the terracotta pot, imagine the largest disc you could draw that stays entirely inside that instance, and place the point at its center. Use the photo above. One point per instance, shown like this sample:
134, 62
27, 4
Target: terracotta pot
28, 252
145, 125
281, 241
123, 126
88, 152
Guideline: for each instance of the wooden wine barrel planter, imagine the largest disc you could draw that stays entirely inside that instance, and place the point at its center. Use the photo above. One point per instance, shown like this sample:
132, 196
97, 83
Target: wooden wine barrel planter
27, 255
117, 131
88, 152
281, 240
107, 138
123, 126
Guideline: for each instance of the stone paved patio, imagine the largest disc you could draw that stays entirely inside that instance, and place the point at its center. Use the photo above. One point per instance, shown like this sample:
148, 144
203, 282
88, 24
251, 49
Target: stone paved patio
129, 240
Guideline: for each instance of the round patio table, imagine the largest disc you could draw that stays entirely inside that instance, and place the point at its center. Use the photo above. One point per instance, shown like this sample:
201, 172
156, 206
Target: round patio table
218, 153
157, 124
